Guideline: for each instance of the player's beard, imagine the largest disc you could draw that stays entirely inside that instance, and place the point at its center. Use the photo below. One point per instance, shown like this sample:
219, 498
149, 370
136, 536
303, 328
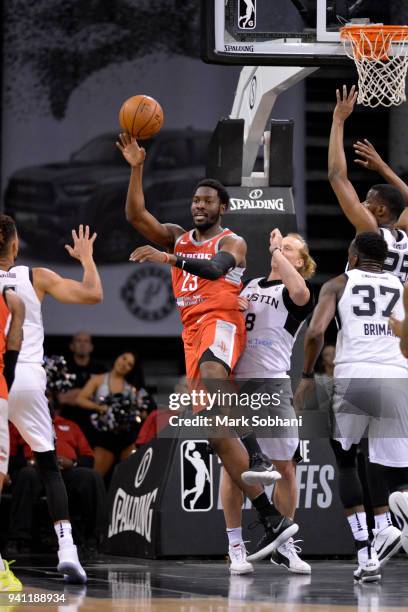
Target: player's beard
205, 225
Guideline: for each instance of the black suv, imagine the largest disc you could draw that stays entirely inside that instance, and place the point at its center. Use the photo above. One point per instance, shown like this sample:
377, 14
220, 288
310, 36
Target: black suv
48, 201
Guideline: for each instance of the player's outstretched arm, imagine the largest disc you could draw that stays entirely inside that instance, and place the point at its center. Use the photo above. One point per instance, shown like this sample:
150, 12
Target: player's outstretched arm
371, 160
66, 290
293, 281
231, 254
314, 339
355, 211
14, 336
163, 234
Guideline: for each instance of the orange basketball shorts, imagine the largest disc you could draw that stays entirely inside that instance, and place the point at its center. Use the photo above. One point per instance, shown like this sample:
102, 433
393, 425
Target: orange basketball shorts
223, 333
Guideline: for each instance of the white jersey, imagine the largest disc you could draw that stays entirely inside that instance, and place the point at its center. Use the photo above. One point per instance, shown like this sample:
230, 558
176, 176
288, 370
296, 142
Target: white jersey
396, 261
272, 322
18, 278
364, 334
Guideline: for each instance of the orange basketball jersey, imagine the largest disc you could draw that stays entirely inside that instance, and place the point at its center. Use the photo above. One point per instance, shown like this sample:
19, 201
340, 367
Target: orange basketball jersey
197, 296
4, 315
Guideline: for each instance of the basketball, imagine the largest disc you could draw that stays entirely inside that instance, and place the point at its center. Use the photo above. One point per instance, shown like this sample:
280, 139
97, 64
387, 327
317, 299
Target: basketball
191, 445
141, 116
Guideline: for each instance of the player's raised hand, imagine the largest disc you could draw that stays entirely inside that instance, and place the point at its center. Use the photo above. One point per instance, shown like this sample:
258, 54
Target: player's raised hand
369, 158
83, 244
275, 239
148, 253
345, 103
130, 150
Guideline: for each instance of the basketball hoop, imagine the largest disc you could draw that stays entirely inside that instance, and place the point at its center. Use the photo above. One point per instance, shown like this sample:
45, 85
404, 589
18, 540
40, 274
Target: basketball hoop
381, 57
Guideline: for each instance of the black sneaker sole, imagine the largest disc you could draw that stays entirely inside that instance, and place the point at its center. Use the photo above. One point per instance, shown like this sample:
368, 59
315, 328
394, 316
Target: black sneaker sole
369, 577
282, 537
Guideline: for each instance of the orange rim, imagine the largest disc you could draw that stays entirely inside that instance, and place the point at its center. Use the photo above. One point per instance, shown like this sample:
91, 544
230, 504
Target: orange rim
371, 32
380, 36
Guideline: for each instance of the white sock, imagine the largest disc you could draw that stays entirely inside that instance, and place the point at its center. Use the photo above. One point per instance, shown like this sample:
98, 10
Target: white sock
63, 530
2, 566
382, 521
235, 536
358, 525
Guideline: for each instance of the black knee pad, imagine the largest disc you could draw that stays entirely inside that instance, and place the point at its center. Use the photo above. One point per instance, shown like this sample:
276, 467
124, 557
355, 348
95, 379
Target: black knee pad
377, 484
54, 485
344, 459
47, 462
350, 489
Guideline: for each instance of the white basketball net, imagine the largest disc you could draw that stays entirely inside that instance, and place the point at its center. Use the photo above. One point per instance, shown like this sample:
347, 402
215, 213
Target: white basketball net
381, 58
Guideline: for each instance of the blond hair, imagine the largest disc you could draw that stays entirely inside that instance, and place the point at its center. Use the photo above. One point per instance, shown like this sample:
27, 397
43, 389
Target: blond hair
309, 265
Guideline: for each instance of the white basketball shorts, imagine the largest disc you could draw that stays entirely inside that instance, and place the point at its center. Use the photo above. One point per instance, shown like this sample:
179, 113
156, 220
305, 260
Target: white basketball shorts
28, 407
373, 402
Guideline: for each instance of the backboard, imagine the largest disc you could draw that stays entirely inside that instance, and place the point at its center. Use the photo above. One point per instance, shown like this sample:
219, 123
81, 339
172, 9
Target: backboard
284, 32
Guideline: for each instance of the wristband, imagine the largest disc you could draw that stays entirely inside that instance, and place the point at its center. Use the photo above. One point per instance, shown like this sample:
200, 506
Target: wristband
308, 375
166, 257
276, 249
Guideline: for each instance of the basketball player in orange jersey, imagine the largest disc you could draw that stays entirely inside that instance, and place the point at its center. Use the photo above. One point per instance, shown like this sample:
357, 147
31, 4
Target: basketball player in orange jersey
208, 263
11, 307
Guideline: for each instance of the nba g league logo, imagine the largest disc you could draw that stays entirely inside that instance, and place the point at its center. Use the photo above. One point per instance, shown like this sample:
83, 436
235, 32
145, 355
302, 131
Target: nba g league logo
247, 14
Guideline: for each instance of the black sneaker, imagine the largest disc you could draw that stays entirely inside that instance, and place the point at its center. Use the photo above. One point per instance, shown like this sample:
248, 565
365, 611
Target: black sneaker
278, 529
261, 471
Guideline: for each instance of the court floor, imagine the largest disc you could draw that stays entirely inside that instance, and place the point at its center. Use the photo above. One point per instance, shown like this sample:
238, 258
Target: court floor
124, 584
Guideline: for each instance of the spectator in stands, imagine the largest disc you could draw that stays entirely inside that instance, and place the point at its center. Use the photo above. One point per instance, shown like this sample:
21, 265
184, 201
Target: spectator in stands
118, 442
158, 418
85, 487
80, 363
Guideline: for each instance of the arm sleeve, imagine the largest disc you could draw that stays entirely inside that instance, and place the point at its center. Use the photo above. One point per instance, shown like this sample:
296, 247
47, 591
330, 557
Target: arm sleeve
10, 360
210, 269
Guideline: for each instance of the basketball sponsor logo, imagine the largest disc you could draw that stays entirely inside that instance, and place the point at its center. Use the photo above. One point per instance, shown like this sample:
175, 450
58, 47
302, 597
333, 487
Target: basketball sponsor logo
134, 513
143, 467
256, 200
196, 476
246, 14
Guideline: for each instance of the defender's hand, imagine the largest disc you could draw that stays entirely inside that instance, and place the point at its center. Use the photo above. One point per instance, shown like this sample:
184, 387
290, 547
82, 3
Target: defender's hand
130, 150
148, 253
83, 244
370, 158
243, 303
396, 326
304, 389
345, 103
275, 239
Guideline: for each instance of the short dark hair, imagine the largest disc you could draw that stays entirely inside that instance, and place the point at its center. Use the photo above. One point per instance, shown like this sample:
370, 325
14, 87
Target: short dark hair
391, 197
7, 232
372, 246
219, 188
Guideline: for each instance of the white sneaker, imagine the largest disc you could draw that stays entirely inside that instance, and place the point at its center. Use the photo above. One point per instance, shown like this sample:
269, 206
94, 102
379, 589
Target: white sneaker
239, 563
398, 502
287, 555
386, 542
368, 565
70, 566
